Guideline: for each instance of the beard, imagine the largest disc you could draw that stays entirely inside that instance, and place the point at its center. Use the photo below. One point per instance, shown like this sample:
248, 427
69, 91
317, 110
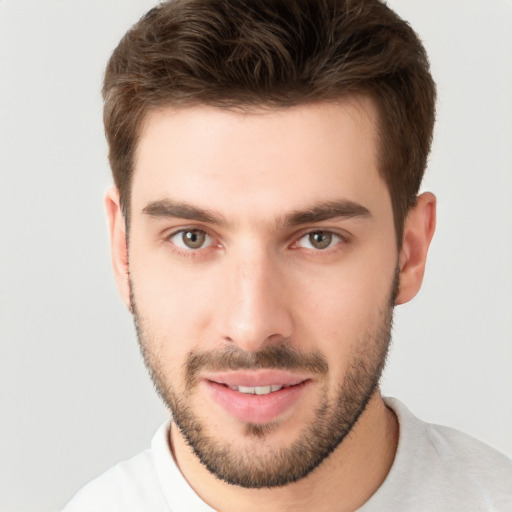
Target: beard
333, 418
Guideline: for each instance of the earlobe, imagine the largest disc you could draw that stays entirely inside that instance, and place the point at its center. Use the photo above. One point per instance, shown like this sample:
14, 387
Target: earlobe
118, 243
418, 232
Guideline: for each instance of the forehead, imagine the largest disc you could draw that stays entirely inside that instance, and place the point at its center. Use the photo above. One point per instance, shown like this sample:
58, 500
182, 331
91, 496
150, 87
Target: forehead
259, 160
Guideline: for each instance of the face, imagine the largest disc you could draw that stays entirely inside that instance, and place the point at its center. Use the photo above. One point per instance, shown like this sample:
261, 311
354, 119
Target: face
262, 263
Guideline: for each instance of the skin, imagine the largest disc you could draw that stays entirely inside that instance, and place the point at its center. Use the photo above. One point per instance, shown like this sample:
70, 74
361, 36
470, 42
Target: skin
258, 281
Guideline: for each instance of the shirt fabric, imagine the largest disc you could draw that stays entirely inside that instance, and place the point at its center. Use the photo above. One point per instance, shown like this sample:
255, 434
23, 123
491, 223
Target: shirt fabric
436, 469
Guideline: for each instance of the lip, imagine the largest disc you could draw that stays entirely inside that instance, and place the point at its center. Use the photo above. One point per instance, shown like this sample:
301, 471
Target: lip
257, 378
256, 409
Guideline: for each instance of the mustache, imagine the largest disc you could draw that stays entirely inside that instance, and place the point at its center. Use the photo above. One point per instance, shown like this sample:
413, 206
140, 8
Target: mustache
280, 356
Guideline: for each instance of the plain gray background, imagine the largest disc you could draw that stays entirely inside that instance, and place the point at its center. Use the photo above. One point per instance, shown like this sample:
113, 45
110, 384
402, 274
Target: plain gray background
74, 396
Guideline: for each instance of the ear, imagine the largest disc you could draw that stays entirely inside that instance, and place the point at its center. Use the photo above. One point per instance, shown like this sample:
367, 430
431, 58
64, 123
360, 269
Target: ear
118, 244
419, 229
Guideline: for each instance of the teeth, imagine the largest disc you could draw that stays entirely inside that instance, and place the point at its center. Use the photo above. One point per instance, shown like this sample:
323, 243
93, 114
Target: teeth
257, 390
248, 390
262, 390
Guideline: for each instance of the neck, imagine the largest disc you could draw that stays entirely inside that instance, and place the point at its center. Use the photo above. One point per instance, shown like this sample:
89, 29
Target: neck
342, 482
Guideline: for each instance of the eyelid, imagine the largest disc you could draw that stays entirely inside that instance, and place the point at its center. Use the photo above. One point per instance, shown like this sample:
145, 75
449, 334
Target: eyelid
344, 238
170, 234
343, 235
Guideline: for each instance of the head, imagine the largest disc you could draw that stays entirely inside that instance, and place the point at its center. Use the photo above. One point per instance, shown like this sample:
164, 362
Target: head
193, 52
267, 158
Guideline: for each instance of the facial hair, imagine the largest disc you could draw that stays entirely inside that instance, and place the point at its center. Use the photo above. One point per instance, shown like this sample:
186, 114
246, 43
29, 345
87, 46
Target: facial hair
332, 420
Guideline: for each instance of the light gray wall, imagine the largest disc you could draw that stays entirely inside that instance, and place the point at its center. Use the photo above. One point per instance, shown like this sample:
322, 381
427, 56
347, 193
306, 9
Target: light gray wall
74, 396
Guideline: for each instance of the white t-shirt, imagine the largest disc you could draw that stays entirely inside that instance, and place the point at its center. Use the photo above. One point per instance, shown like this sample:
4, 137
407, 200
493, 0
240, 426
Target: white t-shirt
436, 469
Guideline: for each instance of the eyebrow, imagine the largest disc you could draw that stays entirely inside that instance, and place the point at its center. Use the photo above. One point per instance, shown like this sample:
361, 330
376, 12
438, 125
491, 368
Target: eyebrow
168, 208
328, 210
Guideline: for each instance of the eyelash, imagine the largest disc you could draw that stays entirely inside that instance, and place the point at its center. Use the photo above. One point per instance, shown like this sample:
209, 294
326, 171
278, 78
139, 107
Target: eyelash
189, 251
339, 241
335, 239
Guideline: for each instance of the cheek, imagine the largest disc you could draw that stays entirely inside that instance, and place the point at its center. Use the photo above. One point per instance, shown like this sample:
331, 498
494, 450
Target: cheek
172, 304
341, 307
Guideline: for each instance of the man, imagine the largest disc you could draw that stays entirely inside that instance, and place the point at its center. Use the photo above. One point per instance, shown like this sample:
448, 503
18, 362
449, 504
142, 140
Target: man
265, 221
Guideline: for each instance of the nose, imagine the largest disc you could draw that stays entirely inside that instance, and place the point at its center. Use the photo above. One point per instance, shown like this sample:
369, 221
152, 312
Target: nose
255, 309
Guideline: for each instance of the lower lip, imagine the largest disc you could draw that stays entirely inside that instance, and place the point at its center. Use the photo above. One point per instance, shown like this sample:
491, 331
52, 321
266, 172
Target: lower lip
256, 409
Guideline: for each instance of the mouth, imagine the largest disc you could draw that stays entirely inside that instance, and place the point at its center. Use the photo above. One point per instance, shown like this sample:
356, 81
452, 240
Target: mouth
258, 390
257, 397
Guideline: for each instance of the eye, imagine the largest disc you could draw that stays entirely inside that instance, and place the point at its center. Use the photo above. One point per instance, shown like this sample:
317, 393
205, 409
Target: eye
319, 240
191, 239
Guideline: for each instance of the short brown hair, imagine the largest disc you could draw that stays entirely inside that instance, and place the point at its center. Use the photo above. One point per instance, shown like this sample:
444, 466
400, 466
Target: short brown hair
275, 53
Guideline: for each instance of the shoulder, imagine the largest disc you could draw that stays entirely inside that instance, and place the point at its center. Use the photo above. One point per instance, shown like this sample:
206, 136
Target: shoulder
455, 448
470, 466
150, 481
440, 468
130, 486
448, 446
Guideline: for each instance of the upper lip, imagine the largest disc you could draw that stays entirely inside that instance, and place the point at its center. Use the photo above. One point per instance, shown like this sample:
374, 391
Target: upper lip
256, 378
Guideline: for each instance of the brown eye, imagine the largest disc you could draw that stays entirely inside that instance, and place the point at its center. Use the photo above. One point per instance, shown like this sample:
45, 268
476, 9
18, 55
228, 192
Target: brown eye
189, 239
319, 240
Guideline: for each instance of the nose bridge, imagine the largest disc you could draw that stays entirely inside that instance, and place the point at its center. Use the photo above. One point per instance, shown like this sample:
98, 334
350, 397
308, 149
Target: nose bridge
255, 311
